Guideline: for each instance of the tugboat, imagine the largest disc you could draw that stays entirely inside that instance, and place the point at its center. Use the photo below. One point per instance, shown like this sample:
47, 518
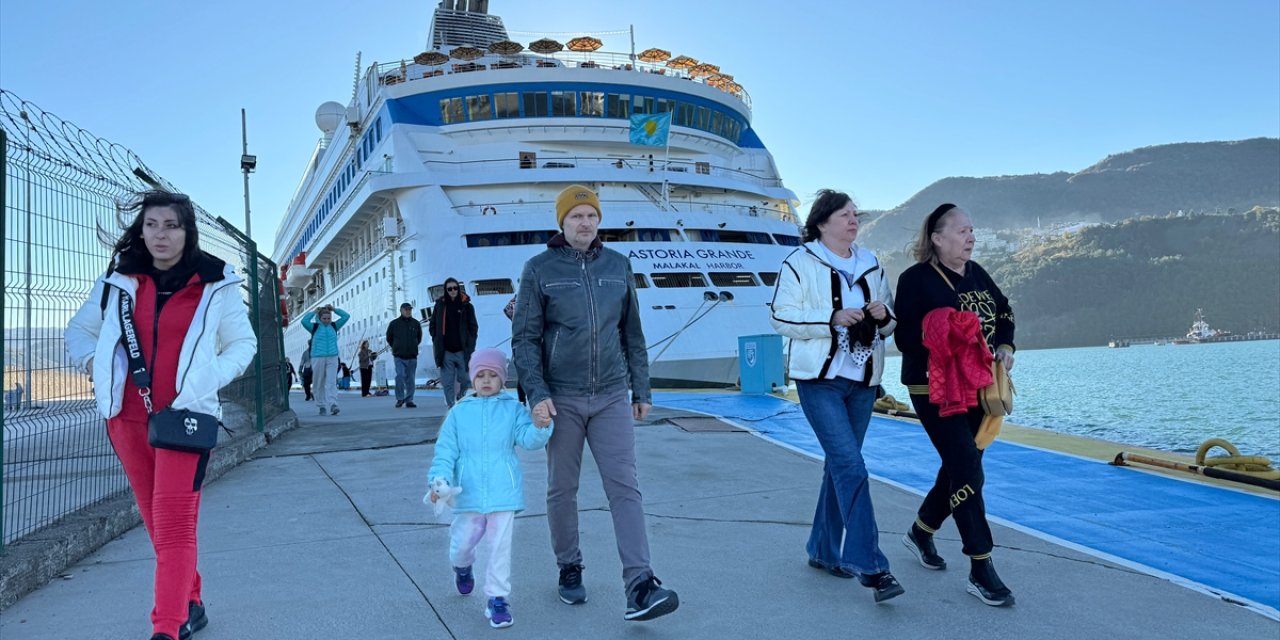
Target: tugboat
1201, 332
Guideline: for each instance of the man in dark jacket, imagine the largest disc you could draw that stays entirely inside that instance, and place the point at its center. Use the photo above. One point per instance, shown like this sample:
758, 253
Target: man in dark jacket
453, 337
404, 334
580, 353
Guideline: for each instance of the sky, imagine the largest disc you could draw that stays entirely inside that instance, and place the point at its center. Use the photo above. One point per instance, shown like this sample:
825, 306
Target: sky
878, 99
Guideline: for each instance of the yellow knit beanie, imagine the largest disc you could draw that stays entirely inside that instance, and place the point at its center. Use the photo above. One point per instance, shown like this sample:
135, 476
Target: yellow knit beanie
572, 196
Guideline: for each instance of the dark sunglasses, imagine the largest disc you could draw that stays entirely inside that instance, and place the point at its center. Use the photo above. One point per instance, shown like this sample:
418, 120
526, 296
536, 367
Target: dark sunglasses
450, 288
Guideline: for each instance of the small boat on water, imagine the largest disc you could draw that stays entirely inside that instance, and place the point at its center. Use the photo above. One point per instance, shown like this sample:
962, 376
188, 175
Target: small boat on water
1117, 344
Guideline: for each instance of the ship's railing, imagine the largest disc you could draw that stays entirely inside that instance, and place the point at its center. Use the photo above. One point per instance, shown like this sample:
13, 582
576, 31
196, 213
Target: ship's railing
64, 188
389, 73
674, 168
372, 252
680, 204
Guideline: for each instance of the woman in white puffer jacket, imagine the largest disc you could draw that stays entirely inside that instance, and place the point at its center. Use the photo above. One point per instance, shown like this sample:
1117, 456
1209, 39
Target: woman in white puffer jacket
192, 327
833, 301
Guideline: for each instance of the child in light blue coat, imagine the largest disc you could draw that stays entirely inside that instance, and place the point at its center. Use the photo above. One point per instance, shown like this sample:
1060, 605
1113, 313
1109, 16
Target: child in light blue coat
475, 452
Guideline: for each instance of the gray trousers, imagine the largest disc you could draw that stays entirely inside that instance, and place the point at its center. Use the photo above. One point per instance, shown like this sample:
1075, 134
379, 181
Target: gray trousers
454, 373
325, 380
604, 422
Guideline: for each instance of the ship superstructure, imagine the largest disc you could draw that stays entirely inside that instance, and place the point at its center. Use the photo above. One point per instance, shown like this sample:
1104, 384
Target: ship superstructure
448, 164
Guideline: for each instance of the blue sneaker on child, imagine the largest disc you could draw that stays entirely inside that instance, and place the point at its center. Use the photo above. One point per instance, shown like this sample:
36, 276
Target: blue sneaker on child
465, 580
498, 612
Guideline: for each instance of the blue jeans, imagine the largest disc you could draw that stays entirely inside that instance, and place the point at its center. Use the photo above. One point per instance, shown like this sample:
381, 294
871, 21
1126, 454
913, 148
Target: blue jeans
839, 411
406, 371
454, 379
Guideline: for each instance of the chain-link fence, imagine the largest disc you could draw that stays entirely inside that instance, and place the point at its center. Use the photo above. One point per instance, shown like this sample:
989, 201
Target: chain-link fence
62, 191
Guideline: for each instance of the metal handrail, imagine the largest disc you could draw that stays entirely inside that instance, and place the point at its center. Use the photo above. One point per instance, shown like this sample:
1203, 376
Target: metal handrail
634, 164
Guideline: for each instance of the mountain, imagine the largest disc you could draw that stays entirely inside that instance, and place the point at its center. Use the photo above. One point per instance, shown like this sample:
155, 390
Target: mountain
1191, 176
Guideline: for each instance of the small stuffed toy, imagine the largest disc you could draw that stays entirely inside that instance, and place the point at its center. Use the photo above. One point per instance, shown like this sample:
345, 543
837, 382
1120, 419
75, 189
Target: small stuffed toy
442, 494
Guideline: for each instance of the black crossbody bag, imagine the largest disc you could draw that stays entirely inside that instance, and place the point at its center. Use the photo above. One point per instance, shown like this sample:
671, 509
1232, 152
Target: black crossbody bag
175, 429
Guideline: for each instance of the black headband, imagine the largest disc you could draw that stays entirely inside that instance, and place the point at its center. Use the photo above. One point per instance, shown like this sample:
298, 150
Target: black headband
937, 215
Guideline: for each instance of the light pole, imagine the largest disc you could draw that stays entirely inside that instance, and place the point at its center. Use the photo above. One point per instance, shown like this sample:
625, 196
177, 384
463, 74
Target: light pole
247, 164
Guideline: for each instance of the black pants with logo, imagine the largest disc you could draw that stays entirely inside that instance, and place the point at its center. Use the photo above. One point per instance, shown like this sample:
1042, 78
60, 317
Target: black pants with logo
957, 492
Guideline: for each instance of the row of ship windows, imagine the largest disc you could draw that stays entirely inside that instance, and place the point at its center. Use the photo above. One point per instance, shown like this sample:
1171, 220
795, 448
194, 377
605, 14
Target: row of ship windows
370, 140
664, 280
510, 238
587, 104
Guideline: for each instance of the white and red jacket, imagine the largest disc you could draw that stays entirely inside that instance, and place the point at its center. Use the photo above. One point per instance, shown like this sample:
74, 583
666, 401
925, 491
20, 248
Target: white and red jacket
807, 295
218, 344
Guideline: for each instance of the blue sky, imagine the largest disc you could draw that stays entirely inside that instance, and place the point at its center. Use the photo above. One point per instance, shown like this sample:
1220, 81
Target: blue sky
876, 98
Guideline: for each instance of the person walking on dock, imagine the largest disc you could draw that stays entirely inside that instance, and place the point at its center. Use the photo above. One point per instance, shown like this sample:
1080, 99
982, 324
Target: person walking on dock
404, 336
453, 338
324, 354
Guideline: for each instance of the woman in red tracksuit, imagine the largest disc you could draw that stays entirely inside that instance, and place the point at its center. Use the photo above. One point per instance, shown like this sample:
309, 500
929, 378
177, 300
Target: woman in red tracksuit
945, 277
176, 290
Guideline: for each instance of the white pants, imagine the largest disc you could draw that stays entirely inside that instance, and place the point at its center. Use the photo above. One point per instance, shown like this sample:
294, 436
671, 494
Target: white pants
464, 536
324, 381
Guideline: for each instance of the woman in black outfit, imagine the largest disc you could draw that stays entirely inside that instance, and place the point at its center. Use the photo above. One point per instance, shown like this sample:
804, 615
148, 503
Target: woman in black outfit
944, 276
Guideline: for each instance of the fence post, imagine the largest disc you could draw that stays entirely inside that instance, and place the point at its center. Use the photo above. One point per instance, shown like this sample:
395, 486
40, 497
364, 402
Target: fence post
4, 240
251, 248
279, 324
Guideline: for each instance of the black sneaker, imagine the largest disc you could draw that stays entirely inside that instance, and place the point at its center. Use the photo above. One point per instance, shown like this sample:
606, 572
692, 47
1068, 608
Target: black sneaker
922, 546
324, 411
986, 586
649, 600
884, 584
399, 403
196, 620
410, 404
334, 410
571, 589
837, 571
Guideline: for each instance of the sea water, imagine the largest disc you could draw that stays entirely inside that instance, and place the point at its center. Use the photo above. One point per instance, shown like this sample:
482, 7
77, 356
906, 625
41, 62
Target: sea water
1167, 397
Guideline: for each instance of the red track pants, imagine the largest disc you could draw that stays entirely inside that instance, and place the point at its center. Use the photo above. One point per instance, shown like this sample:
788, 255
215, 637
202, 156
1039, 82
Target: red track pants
166, 485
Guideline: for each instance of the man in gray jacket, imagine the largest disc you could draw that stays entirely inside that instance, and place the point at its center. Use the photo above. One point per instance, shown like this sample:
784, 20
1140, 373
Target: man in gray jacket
580, 352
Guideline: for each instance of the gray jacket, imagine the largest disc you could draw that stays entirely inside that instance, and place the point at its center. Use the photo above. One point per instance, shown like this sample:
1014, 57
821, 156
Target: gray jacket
576, 329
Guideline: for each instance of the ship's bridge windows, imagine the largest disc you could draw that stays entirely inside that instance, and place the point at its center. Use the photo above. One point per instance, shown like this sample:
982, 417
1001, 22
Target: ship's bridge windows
562, 103
733, 279
535, 104
494, 287
592, 103
641, 283
451, 111
506, 105
645, 104
790, 241
508, 238
618, 105
638, 235
678, 280
728, 235
769, 278
479, 108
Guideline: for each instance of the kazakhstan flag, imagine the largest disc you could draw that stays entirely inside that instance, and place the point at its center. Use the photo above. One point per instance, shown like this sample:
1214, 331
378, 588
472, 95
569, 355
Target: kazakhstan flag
650, 129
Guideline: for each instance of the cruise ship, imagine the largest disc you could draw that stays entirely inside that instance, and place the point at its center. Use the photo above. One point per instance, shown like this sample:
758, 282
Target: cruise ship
447, 164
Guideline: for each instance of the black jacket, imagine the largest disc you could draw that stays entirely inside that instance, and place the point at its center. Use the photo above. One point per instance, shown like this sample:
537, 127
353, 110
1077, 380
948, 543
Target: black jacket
921, 290
440, 327
404, 335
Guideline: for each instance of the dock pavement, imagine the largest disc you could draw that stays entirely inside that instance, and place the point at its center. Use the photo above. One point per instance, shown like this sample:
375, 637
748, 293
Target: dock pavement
323, 535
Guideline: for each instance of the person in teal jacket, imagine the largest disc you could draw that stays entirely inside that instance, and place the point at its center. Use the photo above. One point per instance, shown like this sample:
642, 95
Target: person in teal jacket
475, 452
324, 354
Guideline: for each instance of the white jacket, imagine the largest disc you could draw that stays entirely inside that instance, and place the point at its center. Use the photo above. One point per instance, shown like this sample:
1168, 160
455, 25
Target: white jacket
220, 343
807, 295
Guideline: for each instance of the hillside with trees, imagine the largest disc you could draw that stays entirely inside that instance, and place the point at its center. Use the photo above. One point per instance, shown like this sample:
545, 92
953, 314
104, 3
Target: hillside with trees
1200, 177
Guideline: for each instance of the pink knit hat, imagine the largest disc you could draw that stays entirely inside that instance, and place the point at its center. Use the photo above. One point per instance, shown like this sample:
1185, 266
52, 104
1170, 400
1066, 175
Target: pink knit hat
491, 359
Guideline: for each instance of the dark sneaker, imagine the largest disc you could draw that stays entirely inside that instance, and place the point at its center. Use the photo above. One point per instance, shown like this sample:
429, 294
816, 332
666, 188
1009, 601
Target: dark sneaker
196, 620
922, 546
884, 584
649, 600
324, 411
571, 589
498, 612
837, 571
410, 404
334, 410
464, 579
986, 586
399, 403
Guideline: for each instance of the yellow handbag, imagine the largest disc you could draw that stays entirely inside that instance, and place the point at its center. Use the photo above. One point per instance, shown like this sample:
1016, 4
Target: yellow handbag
997, 398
